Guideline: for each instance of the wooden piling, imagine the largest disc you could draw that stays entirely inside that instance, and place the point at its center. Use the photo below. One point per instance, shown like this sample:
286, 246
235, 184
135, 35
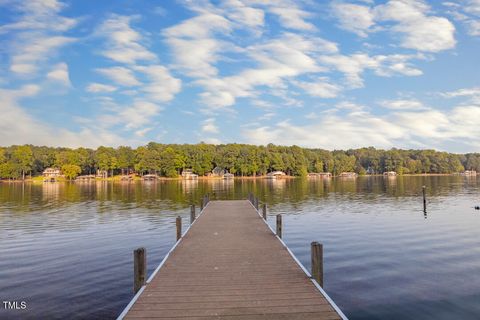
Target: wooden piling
179, 227
256, 203
317, 262
192, 213
424, 199
264, 211
139, 269
279, 225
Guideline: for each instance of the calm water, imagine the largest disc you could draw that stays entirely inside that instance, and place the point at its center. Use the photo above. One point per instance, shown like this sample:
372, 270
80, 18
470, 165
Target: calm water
66, 249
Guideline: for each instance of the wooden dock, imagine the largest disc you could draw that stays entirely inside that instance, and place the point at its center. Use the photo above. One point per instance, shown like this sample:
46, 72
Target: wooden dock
230, 265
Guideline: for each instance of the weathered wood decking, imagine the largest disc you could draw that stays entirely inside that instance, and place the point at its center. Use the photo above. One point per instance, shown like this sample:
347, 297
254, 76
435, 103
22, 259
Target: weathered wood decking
230, 265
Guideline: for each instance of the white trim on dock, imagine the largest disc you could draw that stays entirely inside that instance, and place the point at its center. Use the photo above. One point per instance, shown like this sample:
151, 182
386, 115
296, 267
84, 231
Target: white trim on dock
337, 309
137, 295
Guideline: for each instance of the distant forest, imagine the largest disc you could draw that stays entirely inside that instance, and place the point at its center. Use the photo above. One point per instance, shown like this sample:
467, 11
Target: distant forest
169, 160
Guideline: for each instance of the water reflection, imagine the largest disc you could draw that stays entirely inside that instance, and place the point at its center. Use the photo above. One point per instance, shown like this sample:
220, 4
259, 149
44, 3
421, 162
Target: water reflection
379, 244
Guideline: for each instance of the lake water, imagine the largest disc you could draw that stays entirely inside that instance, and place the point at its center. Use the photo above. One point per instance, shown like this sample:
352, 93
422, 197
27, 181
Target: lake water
66, 249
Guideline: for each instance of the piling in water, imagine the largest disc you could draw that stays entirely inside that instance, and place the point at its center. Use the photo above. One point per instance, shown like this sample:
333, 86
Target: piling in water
179, 227
139, 269
279, 225
192, 213
317, 262
424, 199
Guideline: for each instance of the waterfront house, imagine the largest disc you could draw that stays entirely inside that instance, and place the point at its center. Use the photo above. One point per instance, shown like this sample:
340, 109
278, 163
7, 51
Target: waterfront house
228, 176
218, 172
469, 173
102, 174
348, 175
390, 174
275, 175
85, 178
150, 177
52, 173
187, 174
324, 175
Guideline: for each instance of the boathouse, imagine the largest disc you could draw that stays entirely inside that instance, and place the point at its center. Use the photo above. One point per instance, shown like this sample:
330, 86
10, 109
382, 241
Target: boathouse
275, 175
187, 174
348, 175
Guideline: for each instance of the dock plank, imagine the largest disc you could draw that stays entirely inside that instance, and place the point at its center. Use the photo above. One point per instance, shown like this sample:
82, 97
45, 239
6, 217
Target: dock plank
231, 266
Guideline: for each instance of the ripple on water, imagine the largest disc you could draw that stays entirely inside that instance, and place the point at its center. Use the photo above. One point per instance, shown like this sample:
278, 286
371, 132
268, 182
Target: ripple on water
384, 259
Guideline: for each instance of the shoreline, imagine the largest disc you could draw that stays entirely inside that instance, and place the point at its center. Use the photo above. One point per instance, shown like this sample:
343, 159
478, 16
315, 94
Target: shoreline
205, 178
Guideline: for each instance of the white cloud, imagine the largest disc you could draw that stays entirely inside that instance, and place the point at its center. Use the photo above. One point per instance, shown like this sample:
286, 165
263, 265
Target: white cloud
60, 74
36, 34
355, 18
472, 95
29, 130
293, 18
212, 140
320, 88
142, 132
467, 13
134, 116
195, 49
464, 92
289, 14
37, 15
123, 42
100, 88
403, 104
455, 129
32, 49
163, 85
473, 27
289, 56
411, 19
209, 126
139, 113
238, 12
267, 116
120, 75
383, 65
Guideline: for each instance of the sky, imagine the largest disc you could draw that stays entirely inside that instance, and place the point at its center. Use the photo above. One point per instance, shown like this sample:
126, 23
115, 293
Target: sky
320, 74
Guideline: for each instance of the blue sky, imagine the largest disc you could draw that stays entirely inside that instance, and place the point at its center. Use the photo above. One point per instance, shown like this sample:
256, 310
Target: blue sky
326, 74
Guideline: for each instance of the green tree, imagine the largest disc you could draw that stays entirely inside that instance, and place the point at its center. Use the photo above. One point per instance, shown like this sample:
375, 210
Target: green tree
71, 171
22, 159
125, 158
171, 162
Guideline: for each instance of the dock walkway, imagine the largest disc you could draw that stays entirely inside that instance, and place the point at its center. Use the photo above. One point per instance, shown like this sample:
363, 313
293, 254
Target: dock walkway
230, 265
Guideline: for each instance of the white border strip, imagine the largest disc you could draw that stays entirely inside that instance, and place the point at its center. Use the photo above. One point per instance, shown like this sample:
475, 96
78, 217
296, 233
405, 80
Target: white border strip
332, 303
138, 294
131, 303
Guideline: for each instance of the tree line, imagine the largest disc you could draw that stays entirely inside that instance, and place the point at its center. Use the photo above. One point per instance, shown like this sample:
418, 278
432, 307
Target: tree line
16, 162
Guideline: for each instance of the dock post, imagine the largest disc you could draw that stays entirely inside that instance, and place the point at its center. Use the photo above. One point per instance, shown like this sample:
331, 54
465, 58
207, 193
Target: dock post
139, 269
179, 227
192, 213
424, 199
317, 262
256, 203
264, 211
279, 225
201, 205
